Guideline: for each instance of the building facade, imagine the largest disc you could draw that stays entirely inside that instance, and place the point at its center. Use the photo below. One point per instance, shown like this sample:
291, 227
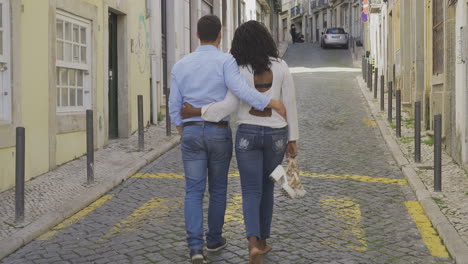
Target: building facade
59, 58
421, 47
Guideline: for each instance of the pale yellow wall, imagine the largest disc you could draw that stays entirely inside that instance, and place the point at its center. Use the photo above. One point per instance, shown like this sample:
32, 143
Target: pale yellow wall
35, 68
396, 26
139, 67
7, 168
70, 146
35, 85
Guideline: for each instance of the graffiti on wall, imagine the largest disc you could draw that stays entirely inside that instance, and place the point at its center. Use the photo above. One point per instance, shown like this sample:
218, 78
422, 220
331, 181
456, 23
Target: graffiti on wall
142, 45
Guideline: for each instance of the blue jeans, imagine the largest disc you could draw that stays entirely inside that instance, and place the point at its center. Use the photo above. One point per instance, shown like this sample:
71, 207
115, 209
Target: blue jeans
206, 150
259, 150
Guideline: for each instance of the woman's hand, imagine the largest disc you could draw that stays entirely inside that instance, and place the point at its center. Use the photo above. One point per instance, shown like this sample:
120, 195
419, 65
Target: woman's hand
291, 149
189, 111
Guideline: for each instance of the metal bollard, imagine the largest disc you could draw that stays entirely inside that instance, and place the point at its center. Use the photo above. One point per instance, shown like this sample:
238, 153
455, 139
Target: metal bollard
89, 147
390, 102
417, 132
168, 118
19, 187
438, 153
382, 93
141, 132
369, 76
376, 78
364, 69
398, 113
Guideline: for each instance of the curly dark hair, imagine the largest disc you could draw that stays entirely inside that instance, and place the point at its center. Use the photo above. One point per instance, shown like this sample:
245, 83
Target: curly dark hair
253, 45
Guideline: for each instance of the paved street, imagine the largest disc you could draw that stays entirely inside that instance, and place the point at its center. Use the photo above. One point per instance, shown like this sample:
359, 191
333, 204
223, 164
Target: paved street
359, 208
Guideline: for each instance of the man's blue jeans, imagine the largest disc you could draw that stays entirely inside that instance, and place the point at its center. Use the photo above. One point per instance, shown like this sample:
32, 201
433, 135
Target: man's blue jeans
206, 151
259, 150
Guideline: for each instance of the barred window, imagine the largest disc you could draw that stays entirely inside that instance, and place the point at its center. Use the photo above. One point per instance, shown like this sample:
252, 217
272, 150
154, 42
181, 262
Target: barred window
438, 37
73, 63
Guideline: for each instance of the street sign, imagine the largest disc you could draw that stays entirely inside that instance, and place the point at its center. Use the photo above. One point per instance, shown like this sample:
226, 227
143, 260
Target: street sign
364, 17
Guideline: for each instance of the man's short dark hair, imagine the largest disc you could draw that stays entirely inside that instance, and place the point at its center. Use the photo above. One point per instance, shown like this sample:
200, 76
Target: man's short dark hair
208, 28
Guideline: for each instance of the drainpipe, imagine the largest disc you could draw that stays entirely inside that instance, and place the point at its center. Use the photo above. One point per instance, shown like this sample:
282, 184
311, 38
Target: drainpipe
155, 55
239, 10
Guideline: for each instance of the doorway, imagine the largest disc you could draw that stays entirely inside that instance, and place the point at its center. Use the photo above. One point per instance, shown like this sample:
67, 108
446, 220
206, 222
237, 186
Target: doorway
113, 78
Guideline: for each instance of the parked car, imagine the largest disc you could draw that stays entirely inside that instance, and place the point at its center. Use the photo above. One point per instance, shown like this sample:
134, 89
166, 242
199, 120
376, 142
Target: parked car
335, 37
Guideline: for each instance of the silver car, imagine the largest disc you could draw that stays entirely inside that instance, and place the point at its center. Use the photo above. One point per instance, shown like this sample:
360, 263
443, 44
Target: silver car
334, 37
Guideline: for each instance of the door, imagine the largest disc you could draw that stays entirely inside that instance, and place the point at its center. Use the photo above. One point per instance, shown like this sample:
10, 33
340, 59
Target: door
113, 78
5, 62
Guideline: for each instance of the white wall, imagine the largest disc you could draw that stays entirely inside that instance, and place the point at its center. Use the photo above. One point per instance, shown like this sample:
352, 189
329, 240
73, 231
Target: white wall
461, 80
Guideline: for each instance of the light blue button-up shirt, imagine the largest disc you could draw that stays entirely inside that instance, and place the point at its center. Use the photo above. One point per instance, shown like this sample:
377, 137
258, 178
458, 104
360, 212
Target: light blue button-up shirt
204, 77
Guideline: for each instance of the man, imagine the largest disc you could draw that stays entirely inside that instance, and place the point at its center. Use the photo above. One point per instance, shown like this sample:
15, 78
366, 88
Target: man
201, 78
293, 33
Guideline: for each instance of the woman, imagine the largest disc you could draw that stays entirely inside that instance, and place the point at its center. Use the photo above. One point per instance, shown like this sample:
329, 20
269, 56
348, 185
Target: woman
263, 137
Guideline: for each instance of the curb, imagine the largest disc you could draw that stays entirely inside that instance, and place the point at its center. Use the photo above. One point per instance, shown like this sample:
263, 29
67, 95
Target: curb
46, 222
452, 240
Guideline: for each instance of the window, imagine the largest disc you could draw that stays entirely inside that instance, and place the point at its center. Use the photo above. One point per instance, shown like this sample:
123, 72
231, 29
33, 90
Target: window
438, 37
73, 63
5, 61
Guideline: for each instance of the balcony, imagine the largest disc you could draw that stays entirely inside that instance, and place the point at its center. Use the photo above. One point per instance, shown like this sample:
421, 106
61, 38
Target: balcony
296, 11
375, 6
322, 4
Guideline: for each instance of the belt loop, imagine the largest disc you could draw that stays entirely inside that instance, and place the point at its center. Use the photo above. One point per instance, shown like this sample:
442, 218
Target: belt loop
203, 126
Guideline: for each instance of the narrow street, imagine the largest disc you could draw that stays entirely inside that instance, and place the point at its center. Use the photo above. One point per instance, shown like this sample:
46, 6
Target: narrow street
358, 209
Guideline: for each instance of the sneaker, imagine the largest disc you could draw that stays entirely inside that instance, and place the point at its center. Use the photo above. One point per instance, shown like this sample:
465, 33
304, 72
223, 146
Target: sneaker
218, 246
197, 256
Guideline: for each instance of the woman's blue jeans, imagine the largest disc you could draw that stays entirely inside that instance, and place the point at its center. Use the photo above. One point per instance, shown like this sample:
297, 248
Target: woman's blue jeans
259, 150
206, 151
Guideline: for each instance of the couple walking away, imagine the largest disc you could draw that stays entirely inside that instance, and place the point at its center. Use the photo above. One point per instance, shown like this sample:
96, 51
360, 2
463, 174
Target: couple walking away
208, 86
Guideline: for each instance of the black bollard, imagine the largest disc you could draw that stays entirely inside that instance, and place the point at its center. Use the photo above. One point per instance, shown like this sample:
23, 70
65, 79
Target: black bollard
19, 187
417, 132
89, 147
141, 132
438, 153
376, 78
369, 76
390, 102
398, 113
168, 118
382, 93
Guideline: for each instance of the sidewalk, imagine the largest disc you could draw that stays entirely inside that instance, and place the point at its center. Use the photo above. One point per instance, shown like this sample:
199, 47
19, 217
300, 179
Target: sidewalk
54, 196
447, 210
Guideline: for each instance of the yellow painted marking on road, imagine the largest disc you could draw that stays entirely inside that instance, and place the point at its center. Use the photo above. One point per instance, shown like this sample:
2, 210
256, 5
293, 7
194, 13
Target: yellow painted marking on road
75, 218
158, 176
355, 177
304, 174
234, 210
346, 213
155, 210
429, 235
234, 174
369, 122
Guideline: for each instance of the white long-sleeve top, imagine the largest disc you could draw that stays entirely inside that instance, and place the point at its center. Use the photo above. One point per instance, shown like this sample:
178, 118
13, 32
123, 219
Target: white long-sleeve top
282, 89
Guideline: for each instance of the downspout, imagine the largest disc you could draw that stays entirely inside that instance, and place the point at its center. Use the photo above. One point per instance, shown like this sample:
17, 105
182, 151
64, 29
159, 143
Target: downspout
155, 60
239, 10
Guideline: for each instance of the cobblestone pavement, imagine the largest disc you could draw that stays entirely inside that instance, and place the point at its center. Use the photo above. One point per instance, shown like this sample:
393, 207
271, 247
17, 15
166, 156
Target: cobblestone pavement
358, 209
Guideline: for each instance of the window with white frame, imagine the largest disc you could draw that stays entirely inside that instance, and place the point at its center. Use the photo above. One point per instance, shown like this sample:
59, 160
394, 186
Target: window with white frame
73, 45
5, 62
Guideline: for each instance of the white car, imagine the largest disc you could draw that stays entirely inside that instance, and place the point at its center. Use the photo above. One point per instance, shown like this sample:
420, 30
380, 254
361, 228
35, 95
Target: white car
335, 37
